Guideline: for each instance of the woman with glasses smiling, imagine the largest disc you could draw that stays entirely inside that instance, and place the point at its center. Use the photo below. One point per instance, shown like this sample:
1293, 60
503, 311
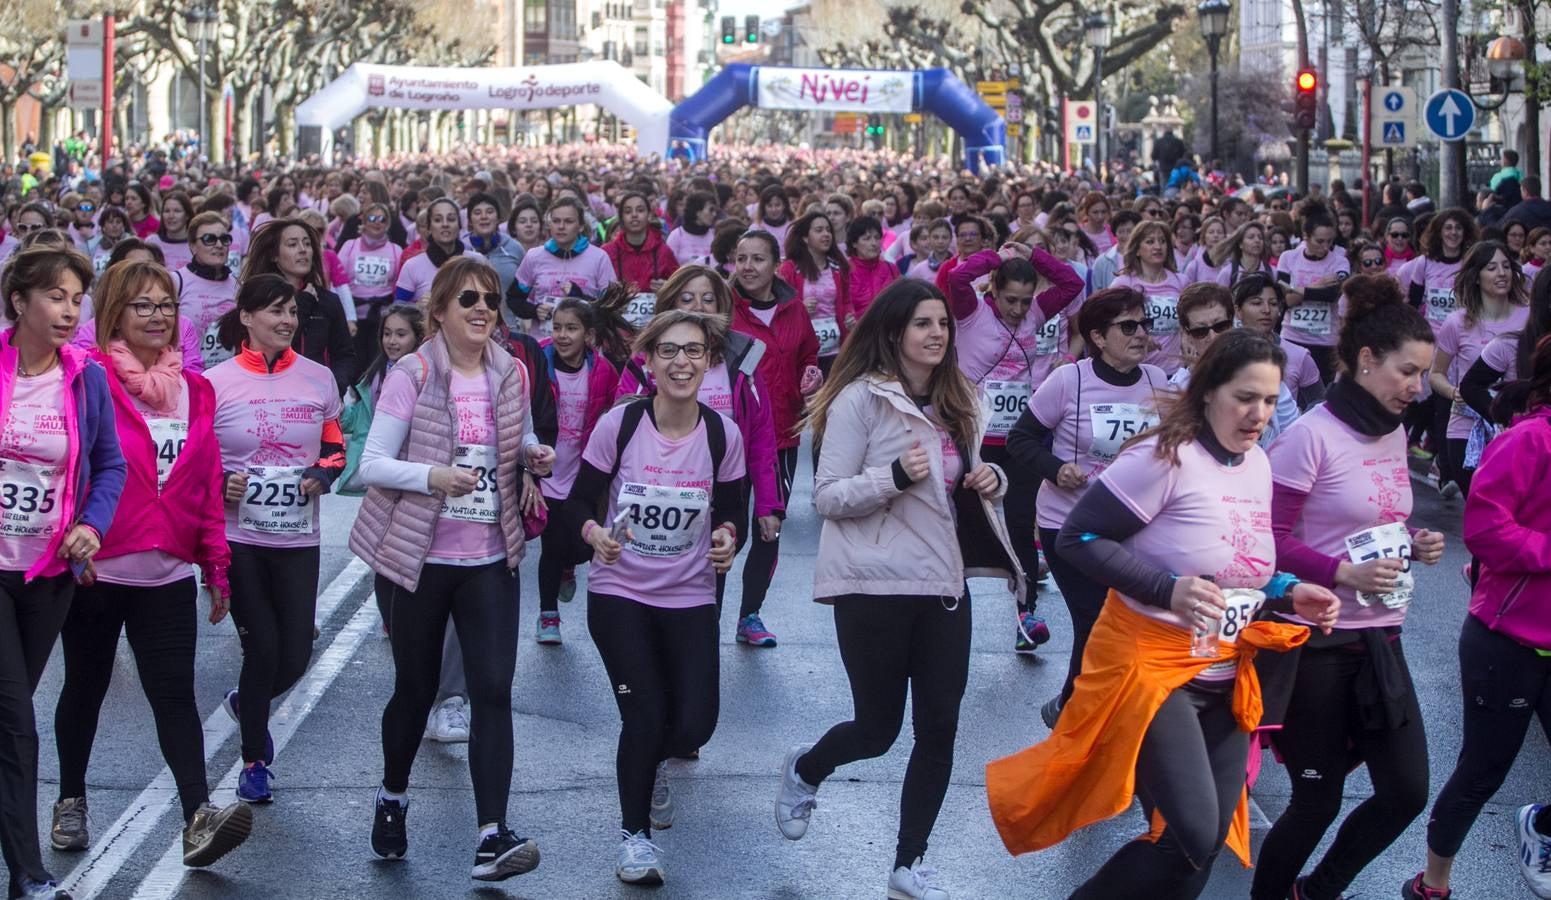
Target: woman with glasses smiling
1396, 235
1149, 269
207, 288
372, 259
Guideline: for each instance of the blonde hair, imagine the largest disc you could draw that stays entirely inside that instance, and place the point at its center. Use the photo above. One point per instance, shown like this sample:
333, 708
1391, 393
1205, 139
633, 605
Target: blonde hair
121, 284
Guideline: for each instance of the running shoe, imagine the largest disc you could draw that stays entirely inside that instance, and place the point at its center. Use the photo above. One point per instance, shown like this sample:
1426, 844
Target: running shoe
214, 832
70, 831
1050, 713
1450, 490
752, 631
918, 882
390, 835
796, 799
568, 584
253, 784
233, 708
1042, 571
504, 854
1299, 893
548, 632
1415, 889
640, 860
1534, 853
662, 799
40, 890
449, 722
1032, 631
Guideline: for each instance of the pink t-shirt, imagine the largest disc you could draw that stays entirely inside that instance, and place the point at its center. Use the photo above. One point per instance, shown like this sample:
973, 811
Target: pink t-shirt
571, 412
1502, 354
716, 390
668, 485
990, 351
1302, 371
692, 249
153, 568
468, 530
1465, 343
1312, 324
34, 451
1163, 308
1437, 281
270, 426
952, 462
1102, 240
924, 270
550, 279
1068, 404
1198, 270
202, 302
373, 271
1354, 482
175, 254
415, 277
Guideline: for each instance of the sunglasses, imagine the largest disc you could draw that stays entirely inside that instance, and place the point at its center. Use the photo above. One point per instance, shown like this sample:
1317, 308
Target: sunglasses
86, 207
1373, 263
1400, 234
210, 240
1201, 331
467, 299
376, 217
671, 351
1128, 326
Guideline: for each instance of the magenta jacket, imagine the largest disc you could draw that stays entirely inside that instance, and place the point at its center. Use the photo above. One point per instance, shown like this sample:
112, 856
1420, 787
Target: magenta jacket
185, 517
1508, 529
602, 379
868, 278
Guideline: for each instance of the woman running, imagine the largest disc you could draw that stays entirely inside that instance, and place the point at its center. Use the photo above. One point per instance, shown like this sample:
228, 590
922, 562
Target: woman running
275, 419
909, 512
691, 240
1507, 355
373, 262
1428, 280
61, 474
869, 273
1339, 507
774, 214
207, 288
400, 333
443, 222
483, 212
142, 210
172, 235
290, 248
1166, 698
170, 519
1242, 253
817, 270
1312, 273
566, 265
1259, 300
667, 470
1149, 269
640, 255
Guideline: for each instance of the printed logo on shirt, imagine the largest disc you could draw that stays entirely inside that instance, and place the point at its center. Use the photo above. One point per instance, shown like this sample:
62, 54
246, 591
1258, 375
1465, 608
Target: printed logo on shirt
622, 689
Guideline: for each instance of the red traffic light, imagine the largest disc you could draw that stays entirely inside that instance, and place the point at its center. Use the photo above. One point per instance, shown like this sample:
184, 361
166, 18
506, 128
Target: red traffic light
1307, 81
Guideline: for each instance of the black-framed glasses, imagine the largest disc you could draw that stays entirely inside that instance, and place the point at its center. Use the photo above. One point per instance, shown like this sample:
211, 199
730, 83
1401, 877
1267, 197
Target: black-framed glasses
1199, 332
1152, 212
492, 300
1377, 263
667, 352
210, 240
1128, 326
144, 308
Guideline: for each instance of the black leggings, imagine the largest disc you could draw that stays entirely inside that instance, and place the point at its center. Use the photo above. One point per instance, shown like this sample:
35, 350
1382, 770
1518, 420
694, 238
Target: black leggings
30, 618
759, 567
1505, 684
889, 644
1325, 359
162, 624
482, 602
1084, 600
274, 599
558, 552
1191, 770
1456, 471
663, 666
1321, 739
1018, 507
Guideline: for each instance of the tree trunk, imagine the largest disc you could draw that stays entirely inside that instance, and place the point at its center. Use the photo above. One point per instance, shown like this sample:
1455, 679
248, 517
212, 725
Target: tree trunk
8, 129
242, 122
285, 128
46, 115
1532, 89
214, 143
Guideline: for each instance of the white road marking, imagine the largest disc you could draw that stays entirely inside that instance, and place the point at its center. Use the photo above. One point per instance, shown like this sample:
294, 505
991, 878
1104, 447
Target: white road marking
121, 841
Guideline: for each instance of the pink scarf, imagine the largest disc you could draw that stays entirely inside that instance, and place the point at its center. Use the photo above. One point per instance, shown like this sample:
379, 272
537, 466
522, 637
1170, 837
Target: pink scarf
157, 387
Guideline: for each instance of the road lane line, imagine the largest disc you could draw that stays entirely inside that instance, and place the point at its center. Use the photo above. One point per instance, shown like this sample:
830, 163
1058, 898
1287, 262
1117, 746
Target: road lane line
119, 843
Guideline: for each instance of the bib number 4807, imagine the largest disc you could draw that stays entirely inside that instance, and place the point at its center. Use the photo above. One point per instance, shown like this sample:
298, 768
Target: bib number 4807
672, 518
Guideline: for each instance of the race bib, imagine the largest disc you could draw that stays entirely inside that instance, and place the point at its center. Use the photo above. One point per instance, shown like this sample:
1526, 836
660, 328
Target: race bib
1440, 302
483, 503
640, 309
273, 502
234, 261
1243, 605
1390, 541
100, 262
828, 330
1115, 423
1008, 400
1310, 318
1164, 312
664, 521
1048, 338
371, 271
29, 499
210, 349
169, 436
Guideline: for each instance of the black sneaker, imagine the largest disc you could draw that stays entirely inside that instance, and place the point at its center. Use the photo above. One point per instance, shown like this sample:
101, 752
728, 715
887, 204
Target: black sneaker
504, 854
390, 840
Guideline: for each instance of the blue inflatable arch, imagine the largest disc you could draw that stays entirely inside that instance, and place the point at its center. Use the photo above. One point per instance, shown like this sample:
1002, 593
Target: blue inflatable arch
936, 91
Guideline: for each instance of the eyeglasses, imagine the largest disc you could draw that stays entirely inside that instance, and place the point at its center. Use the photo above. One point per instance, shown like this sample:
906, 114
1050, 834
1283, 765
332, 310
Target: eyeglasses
667, 352
210, 240
86, 207
374, 218
1128, 326
1153, 213
1400, 234
467, 299
1373, 263
1201, 331
143, 309
29, 229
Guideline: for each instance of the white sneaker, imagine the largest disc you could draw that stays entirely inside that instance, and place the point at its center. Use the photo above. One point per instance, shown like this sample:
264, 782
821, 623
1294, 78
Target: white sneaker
662, 799
1534, 853
796, 799
449, 722
915, 883
640, 860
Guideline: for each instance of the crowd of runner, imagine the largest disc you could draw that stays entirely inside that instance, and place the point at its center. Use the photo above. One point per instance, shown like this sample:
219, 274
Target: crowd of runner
1195, 412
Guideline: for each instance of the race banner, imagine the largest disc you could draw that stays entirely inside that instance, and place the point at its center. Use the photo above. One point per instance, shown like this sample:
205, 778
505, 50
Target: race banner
833, 90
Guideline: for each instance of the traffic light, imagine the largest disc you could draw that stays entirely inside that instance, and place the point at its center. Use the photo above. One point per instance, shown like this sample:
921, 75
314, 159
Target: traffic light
751, 29
875, 125
1306, 101
729, 30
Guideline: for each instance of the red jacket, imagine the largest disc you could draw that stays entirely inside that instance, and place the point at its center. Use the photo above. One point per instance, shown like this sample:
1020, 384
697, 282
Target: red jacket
790, 274
602, 380
641, 266
790, 347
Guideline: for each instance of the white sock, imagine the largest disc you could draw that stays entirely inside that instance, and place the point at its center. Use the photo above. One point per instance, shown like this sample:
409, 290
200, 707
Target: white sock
385, 794
487, 830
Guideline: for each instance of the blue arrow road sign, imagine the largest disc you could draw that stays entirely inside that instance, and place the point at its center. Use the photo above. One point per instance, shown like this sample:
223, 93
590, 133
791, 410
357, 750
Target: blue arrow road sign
1394, 101
1450, 114
1394, 133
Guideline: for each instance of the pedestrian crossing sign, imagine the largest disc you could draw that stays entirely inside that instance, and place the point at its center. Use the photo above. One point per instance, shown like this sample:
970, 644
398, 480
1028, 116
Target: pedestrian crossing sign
1394, 133
1084, 134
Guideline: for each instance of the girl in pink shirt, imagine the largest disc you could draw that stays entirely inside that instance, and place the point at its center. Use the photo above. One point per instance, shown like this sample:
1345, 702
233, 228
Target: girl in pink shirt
1428, 279
1149, 268
172, 235
870, 273
1313, 272
207, 287
691, 241
819, 273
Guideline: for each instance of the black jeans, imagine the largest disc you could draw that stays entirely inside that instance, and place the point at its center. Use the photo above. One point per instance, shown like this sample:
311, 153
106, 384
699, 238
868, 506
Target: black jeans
759, 567
889, 645
30, 619
1505, 684
664, 666
274, 599
1191, 770
162, 624
482, 602
1018, 508
1320, 740
1084, 601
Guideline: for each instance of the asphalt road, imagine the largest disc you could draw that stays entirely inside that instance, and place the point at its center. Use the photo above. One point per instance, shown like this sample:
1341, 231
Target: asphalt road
312, 842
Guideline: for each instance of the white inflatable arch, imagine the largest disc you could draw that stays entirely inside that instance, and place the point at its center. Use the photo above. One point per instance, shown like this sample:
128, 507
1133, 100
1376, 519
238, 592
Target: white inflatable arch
364, 85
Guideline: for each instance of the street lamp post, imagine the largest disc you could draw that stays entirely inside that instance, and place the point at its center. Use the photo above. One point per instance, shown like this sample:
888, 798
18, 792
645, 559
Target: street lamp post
1097, 28
1214, 24
201, 28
